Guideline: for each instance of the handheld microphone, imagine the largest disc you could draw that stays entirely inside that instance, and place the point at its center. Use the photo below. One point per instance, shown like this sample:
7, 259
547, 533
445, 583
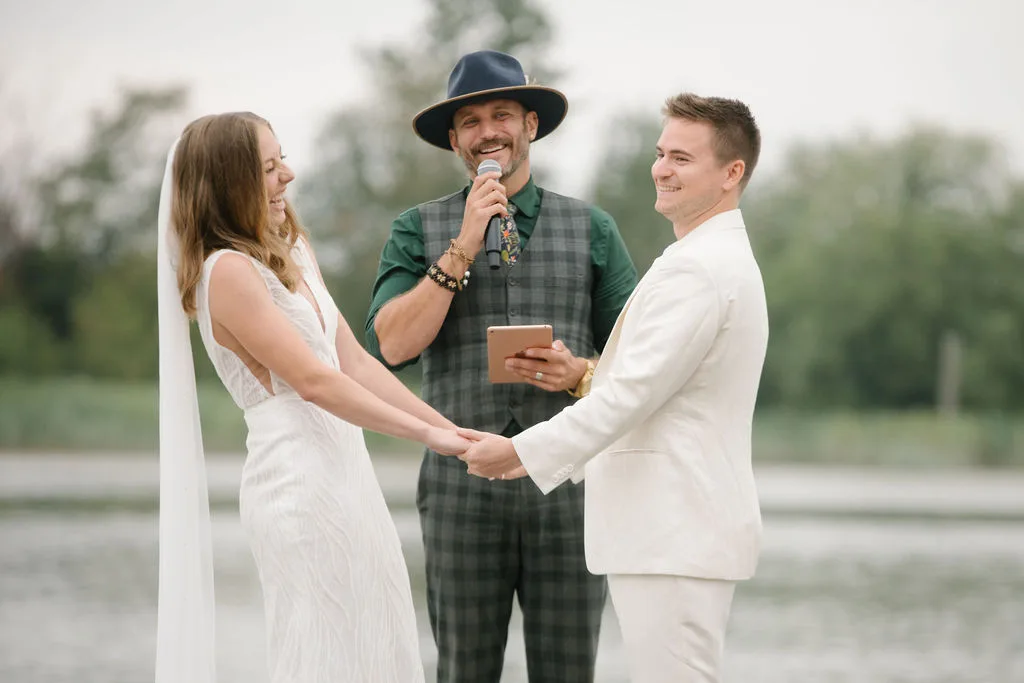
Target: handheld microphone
492, 238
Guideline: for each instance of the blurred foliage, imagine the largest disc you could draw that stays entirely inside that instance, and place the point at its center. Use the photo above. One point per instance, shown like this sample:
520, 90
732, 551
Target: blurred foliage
77, 286
872, 250
625, 190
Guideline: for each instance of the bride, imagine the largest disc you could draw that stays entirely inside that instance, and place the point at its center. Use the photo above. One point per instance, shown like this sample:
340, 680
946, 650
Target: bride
335, 586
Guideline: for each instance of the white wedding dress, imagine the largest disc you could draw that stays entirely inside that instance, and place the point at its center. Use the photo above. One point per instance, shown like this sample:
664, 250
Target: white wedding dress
335, 585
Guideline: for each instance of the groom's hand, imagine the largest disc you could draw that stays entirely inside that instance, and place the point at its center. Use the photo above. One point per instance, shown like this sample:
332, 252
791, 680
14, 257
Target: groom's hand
491, 456
517, 473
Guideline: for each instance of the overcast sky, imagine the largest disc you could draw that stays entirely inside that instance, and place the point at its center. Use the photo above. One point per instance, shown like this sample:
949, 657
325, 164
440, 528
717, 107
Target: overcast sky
809, 69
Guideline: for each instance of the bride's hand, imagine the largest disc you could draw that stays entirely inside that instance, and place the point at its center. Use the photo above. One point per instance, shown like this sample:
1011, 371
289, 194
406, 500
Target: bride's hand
446, 441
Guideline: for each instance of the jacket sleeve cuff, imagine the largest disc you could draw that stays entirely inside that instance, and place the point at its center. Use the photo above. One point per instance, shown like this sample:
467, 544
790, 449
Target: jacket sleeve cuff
544, 468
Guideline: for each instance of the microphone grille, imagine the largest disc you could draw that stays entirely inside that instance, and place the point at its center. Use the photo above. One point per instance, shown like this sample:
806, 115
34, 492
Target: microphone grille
488, 166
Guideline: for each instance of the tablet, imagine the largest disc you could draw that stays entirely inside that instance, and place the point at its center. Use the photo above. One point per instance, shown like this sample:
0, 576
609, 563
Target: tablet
512, 340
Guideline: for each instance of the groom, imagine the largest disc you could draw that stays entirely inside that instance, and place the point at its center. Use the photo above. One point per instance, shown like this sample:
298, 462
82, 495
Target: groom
672, 514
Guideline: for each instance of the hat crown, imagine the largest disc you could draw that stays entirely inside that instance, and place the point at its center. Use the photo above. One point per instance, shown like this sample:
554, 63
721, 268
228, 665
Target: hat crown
485, 70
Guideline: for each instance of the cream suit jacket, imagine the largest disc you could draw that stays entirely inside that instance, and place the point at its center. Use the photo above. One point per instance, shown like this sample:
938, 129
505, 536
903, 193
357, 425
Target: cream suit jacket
664, 436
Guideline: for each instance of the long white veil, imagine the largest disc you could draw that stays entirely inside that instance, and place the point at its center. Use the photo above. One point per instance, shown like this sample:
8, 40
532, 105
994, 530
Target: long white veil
185, 611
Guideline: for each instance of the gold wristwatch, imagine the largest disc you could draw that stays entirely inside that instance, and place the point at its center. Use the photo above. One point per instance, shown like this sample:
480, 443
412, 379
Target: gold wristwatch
583, 386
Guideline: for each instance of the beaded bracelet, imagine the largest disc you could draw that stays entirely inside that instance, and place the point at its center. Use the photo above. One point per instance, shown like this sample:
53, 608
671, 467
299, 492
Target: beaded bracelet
445, 280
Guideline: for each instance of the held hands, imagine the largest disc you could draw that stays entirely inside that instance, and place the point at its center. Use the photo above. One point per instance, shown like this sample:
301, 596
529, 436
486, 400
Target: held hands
446, 441
491, 456
486, 198
553, 369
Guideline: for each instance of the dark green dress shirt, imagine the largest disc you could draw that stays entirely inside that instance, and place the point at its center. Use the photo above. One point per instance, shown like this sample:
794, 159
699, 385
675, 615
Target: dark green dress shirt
403, 264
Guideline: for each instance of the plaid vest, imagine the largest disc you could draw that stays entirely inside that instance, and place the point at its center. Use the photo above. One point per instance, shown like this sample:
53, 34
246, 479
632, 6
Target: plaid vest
550, 284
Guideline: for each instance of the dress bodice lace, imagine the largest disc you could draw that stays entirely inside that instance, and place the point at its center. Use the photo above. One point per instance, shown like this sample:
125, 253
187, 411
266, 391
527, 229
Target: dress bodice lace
244, 387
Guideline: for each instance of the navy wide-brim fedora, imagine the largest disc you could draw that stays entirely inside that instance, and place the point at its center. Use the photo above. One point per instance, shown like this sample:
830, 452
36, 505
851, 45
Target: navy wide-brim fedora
489, 75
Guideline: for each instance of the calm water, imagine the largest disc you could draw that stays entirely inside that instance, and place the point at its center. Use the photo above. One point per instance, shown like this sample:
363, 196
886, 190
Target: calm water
836, 600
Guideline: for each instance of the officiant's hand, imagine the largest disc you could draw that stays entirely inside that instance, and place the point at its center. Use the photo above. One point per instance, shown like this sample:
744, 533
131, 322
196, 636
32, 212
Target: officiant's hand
491, 456
446, 441
551, 369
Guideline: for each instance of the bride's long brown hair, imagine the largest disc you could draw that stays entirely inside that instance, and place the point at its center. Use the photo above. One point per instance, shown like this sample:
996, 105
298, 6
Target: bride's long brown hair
221, 202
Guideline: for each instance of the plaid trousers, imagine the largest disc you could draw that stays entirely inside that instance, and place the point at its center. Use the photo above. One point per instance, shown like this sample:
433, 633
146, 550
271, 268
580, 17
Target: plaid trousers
487, 541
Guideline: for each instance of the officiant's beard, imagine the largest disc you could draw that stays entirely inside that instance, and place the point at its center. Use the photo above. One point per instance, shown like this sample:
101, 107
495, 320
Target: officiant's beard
520, 146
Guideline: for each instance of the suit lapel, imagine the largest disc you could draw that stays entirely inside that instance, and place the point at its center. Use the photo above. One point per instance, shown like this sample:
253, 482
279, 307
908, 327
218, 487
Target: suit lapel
676, 250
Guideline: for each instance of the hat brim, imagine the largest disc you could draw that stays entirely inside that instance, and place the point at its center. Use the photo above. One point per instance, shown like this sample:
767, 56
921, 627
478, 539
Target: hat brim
433, 123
